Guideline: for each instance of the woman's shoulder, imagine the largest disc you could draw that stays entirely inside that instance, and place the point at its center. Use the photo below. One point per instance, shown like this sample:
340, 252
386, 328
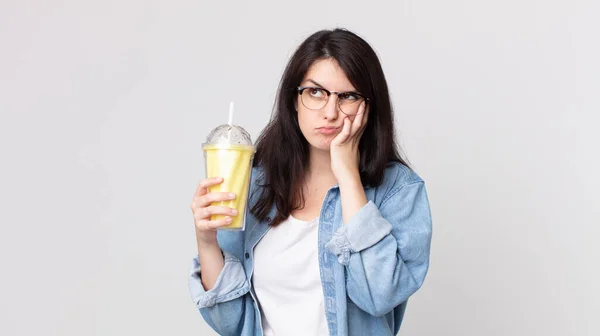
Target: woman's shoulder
398, 175
398, 184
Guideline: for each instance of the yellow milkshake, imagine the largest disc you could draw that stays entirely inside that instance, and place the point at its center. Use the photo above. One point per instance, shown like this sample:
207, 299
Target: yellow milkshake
228, 153
234, 163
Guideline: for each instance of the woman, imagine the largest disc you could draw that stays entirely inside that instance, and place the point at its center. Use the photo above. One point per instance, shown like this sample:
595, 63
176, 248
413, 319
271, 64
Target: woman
338, 230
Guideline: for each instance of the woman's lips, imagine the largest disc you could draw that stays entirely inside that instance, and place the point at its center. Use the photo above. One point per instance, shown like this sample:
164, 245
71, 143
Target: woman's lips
327, 130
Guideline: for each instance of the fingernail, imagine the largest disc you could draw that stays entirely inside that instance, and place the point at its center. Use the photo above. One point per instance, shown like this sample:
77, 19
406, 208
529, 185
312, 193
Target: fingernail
232, 195
234, 212
228, 219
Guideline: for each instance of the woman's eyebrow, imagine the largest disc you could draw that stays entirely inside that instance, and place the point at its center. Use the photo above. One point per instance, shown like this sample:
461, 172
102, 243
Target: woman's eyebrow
321, 86
314, 82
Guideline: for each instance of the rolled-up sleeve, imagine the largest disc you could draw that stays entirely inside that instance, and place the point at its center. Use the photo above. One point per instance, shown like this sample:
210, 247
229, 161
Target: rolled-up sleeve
362, 231
385, 249
230, 284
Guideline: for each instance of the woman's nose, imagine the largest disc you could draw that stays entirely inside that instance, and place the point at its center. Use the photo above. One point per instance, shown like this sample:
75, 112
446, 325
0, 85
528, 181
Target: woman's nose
331, 108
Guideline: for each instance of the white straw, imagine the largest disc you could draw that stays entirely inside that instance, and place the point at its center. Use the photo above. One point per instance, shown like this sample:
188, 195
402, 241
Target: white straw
230, 113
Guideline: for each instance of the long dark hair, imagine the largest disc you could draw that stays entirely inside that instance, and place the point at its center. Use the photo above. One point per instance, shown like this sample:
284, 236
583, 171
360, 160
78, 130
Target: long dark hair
281, 149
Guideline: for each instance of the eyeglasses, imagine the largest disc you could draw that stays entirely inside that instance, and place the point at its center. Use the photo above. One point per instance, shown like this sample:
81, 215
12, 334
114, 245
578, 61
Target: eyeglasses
315, 98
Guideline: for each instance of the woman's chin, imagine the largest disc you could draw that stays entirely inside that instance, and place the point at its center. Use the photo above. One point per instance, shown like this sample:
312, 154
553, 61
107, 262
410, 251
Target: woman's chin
321, 144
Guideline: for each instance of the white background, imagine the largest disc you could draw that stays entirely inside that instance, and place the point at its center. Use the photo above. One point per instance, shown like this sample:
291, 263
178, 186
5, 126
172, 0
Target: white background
104, 106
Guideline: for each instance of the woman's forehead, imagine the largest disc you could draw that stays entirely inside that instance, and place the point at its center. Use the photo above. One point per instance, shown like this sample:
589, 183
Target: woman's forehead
329, 75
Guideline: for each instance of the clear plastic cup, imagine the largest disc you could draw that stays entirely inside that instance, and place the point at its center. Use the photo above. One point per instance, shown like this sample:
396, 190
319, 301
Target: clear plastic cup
228, 153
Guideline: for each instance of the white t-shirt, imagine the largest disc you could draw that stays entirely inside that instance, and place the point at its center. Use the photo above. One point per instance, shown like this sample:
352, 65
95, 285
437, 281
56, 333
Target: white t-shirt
287, 281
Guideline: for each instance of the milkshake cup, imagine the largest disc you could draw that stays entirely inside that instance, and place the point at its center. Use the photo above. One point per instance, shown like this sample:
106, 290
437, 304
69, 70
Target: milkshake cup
228, 153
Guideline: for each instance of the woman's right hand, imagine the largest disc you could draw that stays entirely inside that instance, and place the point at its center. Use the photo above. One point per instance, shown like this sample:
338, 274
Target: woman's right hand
202, 209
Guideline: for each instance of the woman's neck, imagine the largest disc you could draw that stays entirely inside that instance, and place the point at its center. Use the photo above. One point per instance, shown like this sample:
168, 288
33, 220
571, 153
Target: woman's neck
319, 169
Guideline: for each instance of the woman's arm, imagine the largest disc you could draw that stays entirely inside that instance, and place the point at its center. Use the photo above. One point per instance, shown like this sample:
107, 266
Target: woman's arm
385, 249
223, 306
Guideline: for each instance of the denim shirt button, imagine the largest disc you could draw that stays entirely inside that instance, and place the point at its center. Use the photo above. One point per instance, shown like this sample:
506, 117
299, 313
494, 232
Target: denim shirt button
247, 255
268, 219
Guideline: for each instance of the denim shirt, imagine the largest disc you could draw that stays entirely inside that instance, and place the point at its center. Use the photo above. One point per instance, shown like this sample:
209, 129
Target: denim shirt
369, 267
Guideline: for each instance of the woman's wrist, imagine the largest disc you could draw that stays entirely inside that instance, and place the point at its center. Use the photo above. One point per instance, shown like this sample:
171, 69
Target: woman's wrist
206, 240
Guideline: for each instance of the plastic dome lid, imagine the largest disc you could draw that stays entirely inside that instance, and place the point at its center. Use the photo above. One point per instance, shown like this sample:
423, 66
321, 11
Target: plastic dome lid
229, 135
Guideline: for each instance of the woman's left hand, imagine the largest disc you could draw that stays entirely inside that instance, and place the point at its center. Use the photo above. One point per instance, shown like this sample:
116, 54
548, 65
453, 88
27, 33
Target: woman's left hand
344, 147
